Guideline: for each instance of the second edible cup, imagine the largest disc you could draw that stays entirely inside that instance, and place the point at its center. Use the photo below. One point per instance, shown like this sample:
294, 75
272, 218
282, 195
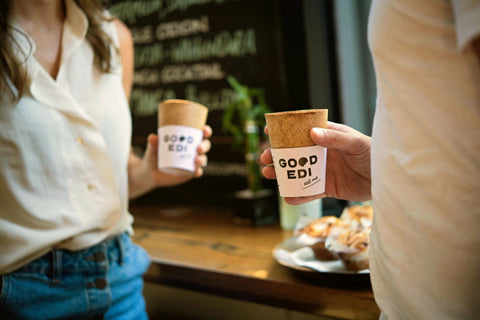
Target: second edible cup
180, 132
299, 163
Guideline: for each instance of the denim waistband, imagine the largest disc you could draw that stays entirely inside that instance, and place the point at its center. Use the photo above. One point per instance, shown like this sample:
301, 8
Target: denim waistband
90, 260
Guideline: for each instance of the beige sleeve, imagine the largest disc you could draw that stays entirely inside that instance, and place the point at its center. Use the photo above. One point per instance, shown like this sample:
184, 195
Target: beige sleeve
467, 21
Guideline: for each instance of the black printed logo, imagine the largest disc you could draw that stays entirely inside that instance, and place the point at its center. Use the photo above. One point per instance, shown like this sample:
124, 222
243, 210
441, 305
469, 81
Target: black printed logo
299, 168
178, 143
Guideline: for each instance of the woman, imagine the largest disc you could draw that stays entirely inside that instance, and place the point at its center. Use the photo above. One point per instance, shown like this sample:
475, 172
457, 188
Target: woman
66, 165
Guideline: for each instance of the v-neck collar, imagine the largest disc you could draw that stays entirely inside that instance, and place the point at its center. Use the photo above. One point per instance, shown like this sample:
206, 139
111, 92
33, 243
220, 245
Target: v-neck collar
43, 86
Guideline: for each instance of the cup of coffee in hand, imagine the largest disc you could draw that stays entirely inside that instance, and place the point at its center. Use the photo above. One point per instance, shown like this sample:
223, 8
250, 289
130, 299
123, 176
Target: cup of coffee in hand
299, 163
180, 132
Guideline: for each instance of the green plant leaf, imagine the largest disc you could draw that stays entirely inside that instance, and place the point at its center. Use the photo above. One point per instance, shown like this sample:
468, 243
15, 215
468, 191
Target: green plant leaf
243, 119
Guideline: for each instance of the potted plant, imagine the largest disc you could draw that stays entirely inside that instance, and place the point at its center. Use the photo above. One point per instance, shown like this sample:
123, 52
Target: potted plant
244, 118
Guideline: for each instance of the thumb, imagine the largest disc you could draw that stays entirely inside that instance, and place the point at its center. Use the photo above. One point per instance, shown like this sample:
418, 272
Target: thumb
330, 138
151, 148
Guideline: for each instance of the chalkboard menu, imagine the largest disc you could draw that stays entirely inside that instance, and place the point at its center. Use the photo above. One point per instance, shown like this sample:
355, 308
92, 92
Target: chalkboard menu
185, 49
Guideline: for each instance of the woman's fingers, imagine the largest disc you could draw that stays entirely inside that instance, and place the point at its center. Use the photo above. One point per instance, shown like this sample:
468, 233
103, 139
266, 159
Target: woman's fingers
204, 146
207, 132
201, 160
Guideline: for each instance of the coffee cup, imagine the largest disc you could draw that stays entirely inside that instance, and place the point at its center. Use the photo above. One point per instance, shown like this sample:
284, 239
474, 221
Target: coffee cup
180, 132
299, 163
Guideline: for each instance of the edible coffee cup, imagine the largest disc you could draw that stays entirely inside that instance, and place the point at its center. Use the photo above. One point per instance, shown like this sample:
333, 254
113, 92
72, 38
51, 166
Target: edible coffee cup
180, 132
299, 163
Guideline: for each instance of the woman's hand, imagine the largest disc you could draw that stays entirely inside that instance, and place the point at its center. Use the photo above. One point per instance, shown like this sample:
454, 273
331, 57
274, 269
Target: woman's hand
348, 164
144, 174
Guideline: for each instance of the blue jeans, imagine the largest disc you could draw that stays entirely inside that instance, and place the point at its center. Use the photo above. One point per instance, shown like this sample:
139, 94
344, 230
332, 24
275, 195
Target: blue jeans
101, 282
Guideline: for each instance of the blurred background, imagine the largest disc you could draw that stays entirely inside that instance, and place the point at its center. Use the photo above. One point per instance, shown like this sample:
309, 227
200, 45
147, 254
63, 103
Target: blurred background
301, 54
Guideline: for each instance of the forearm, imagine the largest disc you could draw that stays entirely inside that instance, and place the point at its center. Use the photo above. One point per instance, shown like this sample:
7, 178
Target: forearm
140, 180
143, 175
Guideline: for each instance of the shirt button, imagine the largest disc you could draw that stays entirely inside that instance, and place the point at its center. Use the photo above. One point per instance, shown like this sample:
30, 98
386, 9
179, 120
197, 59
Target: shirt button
91, 186
80, 140
100, 283
99, 256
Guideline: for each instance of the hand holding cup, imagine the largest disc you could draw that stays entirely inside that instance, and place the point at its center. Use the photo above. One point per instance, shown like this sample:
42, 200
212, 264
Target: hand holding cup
180, 132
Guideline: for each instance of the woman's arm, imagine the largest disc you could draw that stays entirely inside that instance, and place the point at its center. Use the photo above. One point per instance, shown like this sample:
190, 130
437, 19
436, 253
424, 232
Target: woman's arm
143, 175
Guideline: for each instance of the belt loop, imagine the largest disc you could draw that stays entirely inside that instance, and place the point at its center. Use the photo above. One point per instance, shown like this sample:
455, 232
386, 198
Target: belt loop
56, 265
121, 248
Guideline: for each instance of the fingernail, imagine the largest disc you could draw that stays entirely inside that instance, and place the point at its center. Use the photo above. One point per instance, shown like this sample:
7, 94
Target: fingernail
319, 132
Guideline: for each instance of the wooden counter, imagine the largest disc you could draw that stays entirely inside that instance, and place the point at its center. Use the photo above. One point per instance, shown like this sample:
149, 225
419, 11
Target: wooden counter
201, 249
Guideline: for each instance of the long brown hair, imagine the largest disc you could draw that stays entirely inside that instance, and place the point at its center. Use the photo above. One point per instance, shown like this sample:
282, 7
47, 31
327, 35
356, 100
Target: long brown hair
11, 71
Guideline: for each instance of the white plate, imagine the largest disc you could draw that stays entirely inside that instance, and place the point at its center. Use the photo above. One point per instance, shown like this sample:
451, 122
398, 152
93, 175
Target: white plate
289, 254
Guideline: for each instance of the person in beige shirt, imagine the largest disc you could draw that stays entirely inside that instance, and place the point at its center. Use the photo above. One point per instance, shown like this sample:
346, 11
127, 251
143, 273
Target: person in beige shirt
421, 168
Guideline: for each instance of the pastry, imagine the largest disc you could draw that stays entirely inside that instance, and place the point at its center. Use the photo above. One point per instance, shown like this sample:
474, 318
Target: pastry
316, 232
351, 246
361, 216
